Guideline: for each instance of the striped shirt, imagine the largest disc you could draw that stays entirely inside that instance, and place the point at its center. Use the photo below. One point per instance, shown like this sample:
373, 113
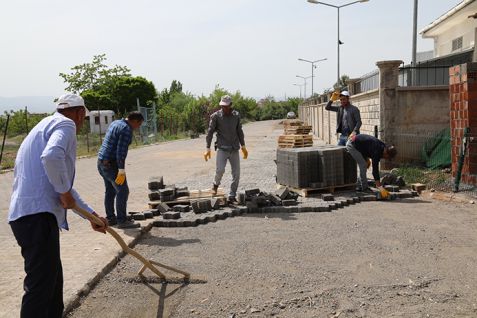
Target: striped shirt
116, 143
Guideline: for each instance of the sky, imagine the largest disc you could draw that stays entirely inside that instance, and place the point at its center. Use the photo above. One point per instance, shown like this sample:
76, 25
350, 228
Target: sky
251, 46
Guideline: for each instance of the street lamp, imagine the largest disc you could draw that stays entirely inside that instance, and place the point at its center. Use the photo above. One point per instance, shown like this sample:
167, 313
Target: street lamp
312, 67
338, 8
299, 85
304, 83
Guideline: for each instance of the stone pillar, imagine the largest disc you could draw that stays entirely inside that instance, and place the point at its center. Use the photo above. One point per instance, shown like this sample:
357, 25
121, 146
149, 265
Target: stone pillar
463, 114
388, 83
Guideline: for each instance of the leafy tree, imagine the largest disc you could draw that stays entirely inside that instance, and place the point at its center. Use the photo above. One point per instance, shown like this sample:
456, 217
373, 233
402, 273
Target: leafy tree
90, 76
18, 122
343, 82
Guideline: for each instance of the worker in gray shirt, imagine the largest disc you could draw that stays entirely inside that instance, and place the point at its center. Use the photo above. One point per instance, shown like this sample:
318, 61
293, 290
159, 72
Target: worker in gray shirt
348, 119
230, 138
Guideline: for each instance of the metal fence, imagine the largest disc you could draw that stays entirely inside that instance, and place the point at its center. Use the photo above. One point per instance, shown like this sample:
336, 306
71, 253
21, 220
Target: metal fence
425, 157
367, 82
423, 75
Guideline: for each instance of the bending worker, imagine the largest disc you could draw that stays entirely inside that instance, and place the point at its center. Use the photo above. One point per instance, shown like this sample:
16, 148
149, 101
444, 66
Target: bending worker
111, 166
230, 138
348, 119
42, 191
362, 147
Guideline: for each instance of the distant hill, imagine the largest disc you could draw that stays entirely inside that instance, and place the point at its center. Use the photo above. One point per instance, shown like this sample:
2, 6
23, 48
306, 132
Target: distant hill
35, 104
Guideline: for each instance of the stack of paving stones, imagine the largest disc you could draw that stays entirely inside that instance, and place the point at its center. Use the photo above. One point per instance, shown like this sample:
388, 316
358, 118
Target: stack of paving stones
154, 185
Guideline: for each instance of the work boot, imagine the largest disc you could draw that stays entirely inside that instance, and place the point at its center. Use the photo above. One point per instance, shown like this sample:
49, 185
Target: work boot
214, 189
128, 225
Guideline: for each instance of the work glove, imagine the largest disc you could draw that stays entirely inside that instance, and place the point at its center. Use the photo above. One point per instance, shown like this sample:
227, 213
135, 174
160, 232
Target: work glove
244, 152
335, 96
207, 154
384, 193
121, 177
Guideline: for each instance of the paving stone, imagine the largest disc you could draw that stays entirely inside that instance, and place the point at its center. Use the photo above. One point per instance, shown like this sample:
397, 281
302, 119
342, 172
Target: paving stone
181, 208
201, 220
275, 200
154, 196
171, 215
139, 216
148, 214
369, 197
251, 205
166, 192
327, 197
414, 193
241, 198
289, 202
405, 194
215, 203
242, 210
260, 201
392, 188
155, 183
235, 212
419, 187
162, 207
190, 223
282, 193
158, 223
211, 218
171, 223
252, 192
180, 223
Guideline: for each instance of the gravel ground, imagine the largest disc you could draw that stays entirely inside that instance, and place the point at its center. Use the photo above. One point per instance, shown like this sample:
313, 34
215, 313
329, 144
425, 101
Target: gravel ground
373, 259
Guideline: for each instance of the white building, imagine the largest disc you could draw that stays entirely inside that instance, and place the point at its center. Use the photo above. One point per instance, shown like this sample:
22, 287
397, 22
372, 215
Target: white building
99, 120
455, 30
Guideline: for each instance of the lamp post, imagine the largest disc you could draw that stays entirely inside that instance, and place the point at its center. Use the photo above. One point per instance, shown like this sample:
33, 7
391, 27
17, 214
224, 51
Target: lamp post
299, 85
338, 8
312, 67
304, 83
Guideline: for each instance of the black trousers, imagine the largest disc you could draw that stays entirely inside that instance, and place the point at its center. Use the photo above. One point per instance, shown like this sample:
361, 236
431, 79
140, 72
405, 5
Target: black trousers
39, 239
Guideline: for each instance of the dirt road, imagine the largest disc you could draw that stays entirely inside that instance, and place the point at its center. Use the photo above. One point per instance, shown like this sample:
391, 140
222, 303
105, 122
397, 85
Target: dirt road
402, 259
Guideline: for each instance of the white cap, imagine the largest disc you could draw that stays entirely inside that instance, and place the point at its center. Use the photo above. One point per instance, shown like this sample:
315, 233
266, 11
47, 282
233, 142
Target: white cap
344, 93
226, 100
70, 100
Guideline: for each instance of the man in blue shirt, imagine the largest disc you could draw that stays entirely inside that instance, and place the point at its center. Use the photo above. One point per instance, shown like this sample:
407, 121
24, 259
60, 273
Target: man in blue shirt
111, 162
42, 191
348, 117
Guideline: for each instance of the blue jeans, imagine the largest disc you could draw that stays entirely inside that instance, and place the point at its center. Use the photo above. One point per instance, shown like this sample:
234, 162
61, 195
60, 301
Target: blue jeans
109, 172
342, 140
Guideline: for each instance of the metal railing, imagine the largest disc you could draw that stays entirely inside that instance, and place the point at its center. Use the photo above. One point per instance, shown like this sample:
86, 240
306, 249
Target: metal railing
423, 76
367, 82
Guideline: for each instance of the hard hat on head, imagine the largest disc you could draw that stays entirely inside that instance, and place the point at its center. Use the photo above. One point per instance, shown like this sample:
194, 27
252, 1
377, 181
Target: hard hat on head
344, 93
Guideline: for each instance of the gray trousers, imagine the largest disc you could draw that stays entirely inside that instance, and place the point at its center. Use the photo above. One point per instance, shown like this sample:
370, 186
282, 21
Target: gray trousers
234, 158
358, 157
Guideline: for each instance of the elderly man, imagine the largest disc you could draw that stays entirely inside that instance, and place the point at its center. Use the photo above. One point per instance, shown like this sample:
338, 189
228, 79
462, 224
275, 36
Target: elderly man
348, 119
42, 191
111, 166
230, 138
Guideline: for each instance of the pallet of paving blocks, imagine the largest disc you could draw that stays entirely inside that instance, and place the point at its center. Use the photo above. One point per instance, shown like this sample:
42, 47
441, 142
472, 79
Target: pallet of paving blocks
319, 167
295, 141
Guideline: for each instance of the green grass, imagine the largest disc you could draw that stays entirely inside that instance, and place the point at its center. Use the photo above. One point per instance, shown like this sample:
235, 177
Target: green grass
413, 174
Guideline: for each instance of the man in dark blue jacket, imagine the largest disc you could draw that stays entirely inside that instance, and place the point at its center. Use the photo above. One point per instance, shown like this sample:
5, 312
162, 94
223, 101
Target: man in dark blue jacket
348, 117
361, 147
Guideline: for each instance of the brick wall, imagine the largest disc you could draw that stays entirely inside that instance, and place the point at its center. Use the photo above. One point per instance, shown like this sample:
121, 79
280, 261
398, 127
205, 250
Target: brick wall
463, 114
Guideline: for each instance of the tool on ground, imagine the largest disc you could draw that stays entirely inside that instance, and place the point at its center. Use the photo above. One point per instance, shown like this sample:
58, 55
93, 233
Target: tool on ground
146, 263
384, 194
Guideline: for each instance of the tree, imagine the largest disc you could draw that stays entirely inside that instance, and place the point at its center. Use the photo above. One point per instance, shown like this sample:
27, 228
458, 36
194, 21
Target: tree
90, 76
343, 82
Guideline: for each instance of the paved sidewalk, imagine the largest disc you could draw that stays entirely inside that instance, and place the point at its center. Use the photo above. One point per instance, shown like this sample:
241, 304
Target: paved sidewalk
86, 253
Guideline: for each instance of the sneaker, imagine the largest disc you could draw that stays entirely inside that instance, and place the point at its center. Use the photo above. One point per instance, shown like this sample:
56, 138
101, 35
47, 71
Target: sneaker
214, 189
128, 225
112, 221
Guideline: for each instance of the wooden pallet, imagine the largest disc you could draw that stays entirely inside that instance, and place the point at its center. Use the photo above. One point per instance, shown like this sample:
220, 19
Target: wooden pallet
297, 130
292, 122
193, 195
307, 192
295, 141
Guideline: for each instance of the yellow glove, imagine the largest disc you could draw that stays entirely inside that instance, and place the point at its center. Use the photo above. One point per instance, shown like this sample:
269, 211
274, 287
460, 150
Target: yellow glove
384, 193
207, 154
244, 152
121, 177
335, 96
368, 163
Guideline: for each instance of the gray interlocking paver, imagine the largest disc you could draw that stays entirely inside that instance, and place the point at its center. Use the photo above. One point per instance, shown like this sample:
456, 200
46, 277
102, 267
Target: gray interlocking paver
86, 253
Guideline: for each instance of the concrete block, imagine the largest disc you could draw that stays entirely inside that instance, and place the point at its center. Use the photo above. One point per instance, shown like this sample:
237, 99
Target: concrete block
154, 196
405, 194
171, 215
181, 208
190, 223
179, 223
419, 187
252, 192
215, 203
369, 197
148, 214
289, 202
163, 208
241, 198
327, 197
139, 216
282, 193
275, 200
242, 210
171, 223
260, 201
155, 183
201, 220
392, 188
211, 218
251, 205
